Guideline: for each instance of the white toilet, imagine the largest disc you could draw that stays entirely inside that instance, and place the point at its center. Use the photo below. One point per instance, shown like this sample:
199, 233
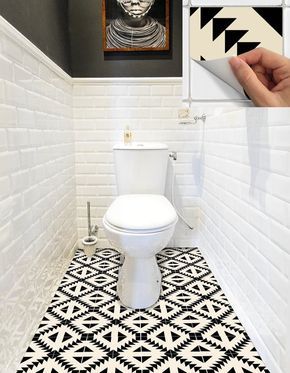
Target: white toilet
141, 221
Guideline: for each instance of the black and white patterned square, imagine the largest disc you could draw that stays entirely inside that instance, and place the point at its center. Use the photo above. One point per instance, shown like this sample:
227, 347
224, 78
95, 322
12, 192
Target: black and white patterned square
192, 328
217, 32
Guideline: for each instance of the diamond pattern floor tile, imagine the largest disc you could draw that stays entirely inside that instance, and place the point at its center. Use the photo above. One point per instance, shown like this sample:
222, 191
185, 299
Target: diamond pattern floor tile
192, 328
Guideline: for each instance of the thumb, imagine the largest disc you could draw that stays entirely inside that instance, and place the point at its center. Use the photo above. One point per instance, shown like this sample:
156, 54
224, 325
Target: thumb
255, 89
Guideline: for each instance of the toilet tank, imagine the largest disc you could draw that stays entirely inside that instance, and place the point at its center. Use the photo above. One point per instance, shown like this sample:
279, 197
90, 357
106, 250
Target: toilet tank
141, 167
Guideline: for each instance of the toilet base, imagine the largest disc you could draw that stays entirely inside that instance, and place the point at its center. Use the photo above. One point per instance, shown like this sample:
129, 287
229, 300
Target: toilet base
139, 282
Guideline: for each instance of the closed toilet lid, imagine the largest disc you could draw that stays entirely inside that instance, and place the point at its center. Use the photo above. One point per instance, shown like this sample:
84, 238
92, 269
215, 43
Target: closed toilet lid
141, 212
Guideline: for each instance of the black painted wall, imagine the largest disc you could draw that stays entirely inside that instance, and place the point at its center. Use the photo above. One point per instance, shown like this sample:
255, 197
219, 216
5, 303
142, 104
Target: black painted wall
70, 33
89, 60
45, 23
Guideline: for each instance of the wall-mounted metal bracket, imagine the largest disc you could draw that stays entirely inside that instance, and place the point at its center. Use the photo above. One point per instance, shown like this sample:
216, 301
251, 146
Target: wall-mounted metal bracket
194, 120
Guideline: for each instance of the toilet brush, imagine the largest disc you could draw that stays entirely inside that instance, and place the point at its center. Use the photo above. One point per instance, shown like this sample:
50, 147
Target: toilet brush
89, 243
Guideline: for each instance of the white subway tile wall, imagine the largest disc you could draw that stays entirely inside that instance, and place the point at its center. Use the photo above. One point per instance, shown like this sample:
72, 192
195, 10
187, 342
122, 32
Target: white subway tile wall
149, 108
37, 189
244, 224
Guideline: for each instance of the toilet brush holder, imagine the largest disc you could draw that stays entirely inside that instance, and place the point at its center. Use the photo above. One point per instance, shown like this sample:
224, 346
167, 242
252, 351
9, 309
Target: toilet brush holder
89, 245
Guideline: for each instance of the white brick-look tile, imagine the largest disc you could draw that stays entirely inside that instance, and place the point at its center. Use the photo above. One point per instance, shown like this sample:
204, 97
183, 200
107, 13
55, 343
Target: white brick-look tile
37, 188
150, 110
244, 228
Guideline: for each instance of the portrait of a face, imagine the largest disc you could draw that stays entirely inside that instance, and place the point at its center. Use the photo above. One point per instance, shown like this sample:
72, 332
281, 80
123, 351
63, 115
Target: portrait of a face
135, 25
136, 8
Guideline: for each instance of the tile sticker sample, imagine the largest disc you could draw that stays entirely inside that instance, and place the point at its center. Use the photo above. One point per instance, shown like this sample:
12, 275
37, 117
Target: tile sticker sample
218, 32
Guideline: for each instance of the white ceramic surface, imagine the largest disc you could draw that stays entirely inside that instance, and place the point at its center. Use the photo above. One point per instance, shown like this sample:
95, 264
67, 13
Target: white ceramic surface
139, 279
141, 168
141, 222
89, 245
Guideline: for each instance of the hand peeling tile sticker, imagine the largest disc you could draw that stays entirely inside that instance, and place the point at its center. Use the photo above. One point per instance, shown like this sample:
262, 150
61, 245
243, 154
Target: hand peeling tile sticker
218, 32
192, 328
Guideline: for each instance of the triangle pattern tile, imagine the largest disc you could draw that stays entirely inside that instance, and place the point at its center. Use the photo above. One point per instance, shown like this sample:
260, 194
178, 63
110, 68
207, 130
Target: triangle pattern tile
100, 280
232, 322
195, 272
68, 278
192, 323
83, 273
234, 365
96, 299
48, 321
116, 311
273, 17
169, 335
166, 289
113, 366
212, 309
219, 25
243, 47
203, 288
223, 32
90, 323
193, 10
165, 308
58, 337
249, 356
83, 356
77, 289
70, 310
177, 279
142, 356
34, 356
115, 337
232, 37
174, 365
207, 15
201, 356
141, 322
223, 337
184, 298
192, 328
173, 265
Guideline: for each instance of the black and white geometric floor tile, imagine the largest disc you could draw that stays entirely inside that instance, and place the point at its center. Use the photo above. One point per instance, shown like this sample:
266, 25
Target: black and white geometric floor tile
192, 328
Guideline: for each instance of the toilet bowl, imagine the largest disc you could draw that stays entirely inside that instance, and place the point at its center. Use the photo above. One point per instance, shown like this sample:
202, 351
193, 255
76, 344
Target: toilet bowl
141, 221
139, 226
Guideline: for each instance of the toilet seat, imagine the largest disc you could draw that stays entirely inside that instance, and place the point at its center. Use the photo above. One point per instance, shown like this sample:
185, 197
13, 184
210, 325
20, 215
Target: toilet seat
139, 226
135, 231
157, 214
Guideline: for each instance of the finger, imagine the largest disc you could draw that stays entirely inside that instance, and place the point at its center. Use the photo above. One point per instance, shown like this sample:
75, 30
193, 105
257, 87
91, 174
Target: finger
262, 75
255, 89
281, 73
266, 58
283, 85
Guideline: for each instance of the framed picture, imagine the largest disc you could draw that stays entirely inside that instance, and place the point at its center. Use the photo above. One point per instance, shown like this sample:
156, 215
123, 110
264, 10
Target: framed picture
135, 25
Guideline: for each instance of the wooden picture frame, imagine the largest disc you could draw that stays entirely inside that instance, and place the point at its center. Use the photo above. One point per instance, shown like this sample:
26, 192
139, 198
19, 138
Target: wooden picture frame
152, 32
